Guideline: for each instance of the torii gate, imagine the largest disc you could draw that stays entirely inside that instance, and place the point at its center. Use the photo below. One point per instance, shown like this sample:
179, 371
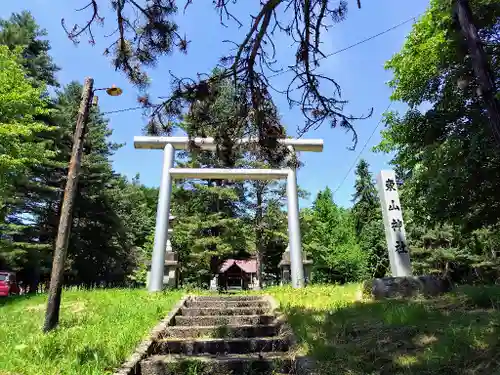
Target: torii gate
170, 144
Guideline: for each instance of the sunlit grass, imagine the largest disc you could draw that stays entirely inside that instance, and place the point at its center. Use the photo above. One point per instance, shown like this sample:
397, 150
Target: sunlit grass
457, 333
98, 330
454, 334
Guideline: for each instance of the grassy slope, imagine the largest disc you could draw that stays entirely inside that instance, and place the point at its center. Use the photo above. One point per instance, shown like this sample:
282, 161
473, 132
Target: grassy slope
454, 334
98, 330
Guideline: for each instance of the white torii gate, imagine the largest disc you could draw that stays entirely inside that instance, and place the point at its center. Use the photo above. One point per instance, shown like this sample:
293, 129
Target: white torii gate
170, 144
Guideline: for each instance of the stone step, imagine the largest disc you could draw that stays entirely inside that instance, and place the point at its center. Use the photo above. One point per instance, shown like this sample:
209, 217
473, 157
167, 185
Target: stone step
229, 331
228, 298
221, 346
241, 364
190, 311
218, 304
214, 320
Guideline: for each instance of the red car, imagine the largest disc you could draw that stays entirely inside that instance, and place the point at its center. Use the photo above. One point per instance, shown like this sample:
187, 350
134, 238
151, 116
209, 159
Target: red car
8, 284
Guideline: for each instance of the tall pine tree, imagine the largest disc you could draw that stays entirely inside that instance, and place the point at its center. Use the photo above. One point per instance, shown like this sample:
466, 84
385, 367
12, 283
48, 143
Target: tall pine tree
209, 228
27, 200
367, 217
112, 216
366, 205
20, 105
22, 30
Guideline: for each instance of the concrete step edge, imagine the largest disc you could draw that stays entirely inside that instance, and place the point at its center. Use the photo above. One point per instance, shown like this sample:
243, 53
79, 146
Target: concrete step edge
226, 316
230, 326
188, 311
221, 358
264, 362
223, 308
228, 298
201, 347
232, 330
222, 339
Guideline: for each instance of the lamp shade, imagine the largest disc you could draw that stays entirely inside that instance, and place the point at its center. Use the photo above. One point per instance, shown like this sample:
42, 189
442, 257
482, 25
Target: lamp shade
114, 91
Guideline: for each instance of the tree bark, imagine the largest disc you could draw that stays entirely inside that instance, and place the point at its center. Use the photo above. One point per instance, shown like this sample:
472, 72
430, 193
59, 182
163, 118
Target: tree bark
64, 229
480, 64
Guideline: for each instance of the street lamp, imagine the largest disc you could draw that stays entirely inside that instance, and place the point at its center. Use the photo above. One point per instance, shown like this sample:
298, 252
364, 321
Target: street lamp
65, 220
114, 91
111, 91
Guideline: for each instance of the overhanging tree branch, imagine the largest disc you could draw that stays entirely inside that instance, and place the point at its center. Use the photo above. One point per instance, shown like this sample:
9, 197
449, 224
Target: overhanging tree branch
146, 31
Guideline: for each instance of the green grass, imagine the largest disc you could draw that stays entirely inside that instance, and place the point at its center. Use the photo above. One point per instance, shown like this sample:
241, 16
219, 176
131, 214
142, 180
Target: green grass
98, 330
454, 334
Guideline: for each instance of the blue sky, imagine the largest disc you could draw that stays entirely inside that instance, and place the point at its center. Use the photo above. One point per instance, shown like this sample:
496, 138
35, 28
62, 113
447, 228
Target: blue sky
358, 70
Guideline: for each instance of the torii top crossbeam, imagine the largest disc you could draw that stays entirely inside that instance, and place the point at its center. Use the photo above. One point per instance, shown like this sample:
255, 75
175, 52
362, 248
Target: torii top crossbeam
182, 143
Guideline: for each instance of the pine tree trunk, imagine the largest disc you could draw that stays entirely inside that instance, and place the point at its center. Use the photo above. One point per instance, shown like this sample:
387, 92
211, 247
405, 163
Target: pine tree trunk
481, 66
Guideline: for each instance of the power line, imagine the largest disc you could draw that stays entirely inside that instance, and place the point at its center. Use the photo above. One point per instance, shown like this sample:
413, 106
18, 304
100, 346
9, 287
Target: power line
362, 149
380, 121
321, 58
373, 36
123, 110
355, 44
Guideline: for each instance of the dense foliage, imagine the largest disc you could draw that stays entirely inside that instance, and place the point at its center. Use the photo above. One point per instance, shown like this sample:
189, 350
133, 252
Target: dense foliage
443, 145
20, 105
443, 152
113, 222
112, 216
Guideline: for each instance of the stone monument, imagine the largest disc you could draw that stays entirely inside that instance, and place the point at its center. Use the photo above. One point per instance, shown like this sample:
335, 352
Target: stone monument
401, 283
284, 266
171, 266
395, 235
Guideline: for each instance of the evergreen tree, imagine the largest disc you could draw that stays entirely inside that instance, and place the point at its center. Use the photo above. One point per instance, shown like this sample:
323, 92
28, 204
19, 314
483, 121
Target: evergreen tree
98, 247
147, 31
22, 30
20, 104
210, 227
367, 216
366, 204
274, 240
27, 200
261, 199
207, 230
330, 237
110, 214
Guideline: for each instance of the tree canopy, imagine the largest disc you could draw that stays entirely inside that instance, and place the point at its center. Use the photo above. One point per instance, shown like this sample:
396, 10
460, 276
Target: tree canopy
21, 30
442, 150
443, 146
112, 233
20, 105
446, 151
147, 30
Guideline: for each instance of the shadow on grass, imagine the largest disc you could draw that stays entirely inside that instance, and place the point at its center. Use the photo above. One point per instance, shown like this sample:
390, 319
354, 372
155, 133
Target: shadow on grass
453, 334
4, 301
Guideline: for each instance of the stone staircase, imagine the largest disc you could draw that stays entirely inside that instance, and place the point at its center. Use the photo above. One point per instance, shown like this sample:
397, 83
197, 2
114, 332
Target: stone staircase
223, 335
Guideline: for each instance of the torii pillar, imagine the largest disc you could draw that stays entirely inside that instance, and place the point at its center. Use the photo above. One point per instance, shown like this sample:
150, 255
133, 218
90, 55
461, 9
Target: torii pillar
171, 263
